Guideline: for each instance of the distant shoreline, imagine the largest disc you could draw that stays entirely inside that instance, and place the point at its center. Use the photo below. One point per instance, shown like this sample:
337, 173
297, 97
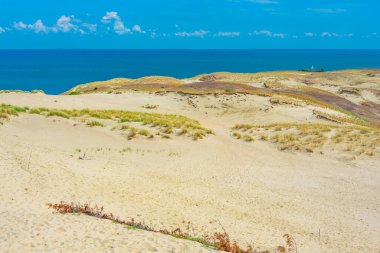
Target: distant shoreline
56, 71
190, 78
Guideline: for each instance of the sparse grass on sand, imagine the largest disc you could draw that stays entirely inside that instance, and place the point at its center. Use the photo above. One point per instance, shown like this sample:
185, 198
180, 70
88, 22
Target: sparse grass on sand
218, 241
21, 91
313, 137
94, 123
10, 110
345, 118
285, 100
164, 123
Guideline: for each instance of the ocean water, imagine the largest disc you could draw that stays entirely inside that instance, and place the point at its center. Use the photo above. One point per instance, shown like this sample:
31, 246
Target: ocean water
56, 71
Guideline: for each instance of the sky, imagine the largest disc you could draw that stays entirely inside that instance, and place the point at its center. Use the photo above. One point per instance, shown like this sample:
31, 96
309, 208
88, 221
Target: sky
190, 24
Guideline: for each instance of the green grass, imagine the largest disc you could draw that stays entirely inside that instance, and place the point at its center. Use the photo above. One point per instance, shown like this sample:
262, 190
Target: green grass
167, 124
94, 123
11, 110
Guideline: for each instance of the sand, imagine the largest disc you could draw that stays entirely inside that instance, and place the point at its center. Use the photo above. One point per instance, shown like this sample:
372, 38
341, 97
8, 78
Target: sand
254, 191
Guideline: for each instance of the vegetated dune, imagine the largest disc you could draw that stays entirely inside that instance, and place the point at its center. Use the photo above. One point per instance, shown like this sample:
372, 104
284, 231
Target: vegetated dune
235, 153
356, 91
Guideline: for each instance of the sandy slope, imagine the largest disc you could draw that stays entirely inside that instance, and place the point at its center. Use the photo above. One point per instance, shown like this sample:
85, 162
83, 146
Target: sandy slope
255, 191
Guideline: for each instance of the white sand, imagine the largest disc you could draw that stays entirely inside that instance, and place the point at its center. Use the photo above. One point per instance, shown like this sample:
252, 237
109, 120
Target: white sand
255, 191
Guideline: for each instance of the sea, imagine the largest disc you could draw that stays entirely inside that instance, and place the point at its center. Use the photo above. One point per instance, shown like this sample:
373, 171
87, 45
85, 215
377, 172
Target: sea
56, 71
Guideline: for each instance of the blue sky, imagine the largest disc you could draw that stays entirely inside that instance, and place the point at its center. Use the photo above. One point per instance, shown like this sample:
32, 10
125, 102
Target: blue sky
189, 24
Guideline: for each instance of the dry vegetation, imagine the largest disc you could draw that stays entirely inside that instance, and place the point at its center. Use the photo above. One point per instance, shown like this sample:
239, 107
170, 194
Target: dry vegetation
219, 240
150, 107
346, 118
284, 100
356, 140
166, 125
21, 91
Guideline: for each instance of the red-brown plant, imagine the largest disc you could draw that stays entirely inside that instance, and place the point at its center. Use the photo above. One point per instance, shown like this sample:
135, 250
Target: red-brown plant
219, 241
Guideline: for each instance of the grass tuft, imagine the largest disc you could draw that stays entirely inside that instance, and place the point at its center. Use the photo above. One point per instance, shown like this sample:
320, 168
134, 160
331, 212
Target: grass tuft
94, 123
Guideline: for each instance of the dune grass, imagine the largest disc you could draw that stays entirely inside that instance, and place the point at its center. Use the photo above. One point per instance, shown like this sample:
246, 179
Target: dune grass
11, 110
347, 118
314, 137
94, 123
167, 124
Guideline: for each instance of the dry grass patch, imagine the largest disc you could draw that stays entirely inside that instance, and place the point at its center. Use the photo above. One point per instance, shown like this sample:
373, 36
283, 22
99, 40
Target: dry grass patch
150, 107
350, 119
284, 100
356, 140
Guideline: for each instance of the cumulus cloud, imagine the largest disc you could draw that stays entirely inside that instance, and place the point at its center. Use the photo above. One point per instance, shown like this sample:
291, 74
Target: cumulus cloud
138, 29
227, 34
120, 28
197, 33
19, 25
326, 10
38, 27
118, 24
64, 24
268, 34
110, 16
2, 30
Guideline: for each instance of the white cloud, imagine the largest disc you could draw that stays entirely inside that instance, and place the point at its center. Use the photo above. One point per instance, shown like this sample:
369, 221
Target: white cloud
120, 28
19, 25
197, 33
326, 10
309, 34
110, 15
227, 34
64, 24
118, 24
328, 34
2, 30
268, 34
137, 28
264, 1
38, 27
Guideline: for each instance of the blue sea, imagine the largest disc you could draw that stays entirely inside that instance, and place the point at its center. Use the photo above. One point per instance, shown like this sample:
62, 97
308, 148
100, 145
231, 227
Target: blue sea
56, 71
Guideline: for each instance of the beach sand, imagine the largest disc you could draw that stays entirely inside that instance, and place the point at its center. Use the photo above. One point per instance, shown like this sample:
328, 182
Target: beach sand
254, 191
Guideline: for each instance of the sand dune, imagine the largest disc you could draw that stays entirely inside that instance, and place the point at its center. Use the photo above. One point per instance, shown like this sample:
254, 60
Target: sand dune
328, 201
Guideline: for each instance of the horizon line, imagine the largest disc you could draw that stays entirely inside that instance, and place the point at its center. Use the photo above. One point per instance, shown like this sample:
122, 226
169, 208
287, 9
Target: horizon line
189, 49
